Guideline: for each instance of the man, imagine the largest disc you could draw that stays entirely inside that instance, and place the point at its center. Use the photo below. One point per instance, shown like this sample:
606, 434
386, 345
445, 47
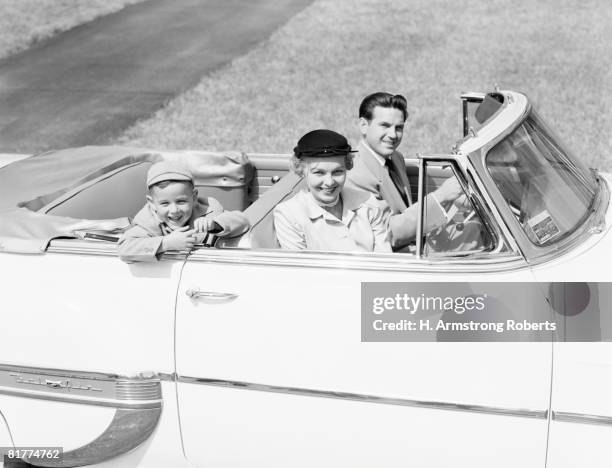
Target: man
380, 169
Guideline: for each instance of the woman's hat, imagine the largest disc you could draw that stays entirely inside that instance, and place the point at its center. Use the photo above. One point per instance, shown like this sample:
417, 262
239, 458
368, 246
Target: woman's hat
322, 143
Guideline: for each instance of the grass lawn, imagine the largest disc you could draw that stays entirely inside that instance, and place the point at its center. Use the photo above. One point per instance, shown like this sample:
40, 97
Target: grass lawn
25, 22
314, 71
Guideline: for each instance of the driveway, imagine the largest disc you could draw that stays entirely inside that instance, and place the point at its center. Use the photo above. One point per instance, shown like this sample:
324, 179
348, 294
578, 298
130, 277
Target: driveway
89, 84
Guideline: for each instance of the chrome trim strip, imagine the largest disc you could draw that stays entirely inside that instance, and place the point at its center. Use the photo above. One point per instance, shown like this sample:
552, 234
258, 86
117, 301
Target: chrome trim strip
139, 391
473, 95
361, 261
127, 430
80, 247
166, 377
421, 188
314, 259
83, 401
145, 375
581, 418
525, 413
108, 249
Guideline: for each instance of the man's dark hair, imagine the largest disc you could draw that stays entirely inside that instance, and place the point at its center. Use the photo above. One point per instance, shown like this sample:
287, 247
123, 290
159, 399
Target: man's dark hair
366, 109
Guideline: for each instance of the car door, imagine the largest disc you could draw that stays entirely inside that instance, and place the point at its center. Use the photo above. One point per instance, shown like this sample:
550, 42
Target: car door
280, 359
581, 407
86, 354
272, 371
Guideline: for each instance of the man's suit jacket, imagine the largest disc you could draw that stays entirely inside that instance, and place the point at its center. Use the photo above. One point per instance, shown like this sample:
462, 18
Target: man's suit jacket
371, 176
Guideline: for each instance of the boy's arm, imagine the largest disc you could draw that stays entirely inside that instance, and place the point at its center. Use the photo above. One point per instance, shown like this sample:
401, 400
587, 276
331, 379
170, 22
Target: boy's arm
229, 223
232, 223
138, 245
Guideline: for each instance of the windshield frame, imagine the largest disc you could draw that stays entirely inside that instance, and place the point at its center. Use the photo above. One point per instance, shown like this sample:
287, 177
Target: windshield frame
501, 126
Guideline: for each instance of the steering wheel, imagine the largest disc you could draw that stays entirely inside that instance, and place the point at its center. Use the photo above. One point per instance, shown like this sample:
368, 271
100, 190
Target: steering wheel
462, 232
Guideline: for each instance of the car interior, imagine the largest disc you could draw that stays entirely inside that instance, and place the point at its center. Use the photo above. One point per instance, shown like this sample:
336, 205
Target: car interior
264, 181
253, 184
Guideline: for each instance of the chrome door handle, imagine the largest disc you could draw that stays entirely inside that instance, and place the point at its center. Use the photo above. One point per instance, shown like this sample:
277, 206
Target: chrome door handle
195, 293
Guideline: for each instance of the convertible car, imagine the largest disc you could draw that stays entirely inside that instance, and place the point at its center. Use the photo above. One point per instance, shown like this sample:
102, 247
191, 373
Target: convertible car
240, 354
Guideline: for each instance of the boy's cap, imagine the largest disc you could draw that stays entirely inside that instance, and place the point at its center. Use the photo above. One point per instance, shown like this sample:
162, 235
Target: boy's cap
166, 170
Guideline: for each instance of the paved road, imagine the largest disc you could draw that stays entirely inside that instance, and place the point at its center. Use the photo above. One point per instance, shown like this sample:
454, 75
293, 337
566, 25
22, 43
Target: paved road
89, 84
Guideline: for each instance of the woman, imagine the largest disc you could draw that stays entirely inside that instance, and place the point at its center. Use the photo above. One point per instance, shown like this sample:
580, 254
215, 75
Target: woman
327, 215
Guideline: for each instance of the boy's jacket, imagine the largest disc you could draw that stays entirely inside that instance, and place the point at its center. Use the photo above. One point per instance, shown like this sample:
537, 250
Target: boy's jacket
141, 242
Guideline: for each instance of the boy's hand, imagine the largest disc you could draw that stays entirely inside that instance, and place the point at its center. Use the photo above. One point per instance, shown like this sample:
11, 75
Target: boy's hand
182, 238
205, 225
202, 224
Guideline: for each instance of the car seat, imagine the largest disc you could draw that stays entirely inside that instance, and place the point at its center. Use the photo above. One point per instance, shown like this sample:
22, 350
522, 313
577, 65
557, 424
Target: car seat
260, 214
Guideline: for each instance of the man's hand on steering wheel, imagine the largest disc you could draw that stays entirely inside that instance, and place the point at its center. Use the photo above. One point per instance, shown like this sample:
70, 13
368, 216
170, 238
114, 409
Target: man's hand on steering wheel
453, 236
449, 191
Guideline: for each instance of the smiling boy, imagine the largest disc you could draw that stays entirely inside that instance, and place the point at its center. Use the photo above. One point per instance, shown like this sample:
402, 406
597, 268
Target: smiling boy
174, 216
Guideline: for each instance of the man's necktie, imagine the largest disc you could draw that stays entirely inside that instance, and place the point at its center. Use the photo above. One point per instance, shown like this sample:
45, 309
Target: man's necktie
397, 181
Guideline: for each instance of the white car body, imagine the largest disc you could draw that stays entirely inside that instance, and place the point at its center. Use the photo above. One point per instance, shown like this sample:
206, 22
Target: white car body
7, 158
240, 356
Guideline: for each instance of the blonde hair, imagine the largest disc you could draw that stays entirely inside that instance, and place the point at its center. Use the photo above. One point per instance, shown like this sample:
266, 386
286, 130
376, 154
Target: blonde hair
297, 165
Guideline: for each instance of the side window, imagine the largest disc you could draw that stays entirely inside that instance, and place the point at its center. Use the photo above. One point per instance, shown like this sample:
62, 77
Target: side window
454, 227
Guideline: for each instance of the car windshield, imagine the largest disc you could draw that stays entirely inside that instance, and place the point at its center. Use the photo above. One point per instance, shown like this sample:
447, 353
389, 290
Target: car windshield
549, 192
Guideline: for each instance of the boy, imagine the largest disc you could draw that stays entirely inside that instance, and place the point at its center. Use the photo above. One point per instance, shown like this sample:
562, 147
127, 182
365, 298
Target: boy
173, 216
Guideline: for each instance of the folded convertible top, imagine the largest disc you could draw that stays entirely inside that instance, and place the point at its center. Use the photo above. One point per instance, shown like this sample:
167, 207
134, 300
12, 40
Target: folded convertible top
55, 194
